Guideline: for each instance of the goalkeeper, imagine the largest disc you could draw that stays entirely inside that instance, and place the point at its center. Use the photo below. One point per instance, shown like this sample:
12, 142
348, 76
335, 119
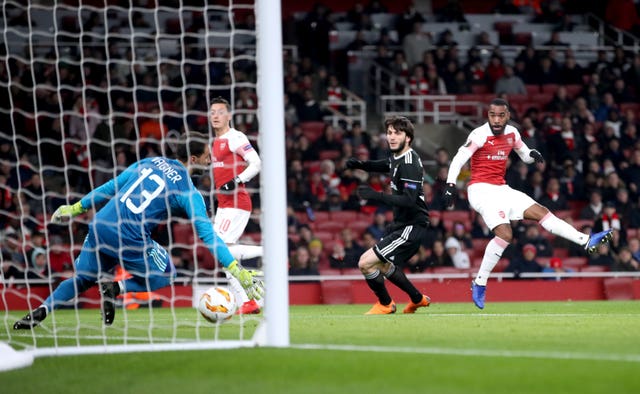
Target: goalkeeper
139, 199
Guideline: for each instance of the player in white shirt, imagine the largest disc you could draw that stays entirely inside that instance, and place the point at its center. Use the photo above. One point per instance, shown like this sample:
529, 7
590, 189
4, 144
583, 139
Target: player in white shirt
235, 162
488, 147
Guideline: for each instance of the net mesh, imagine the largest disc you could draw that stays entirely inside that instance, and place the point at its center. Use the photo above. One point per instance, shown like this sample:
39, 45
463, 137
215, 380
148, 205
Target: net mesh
86, 90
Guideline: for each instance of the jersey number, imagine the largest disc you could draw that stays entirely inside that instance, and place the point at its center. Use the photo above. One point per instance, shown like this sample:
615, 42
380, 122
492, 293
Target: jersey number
145, 196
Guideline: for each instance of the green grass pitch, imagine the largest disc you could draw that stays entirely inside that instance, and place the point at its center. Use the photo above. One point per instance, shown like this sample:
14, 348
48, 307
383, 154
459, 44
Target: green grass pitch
551, 347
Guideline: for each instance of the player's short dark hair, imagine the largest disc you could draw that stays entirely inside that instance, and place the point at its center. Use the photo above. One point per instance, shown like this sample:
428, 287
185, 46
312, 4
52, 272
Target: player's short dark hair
500, 102
221, 100
400, 123
192, 143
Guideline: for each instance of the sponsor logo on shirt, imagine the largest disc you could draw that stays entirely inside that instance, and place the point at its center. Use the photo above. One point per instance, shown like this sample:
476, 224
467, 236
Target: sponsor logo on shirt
408, 185
247, 147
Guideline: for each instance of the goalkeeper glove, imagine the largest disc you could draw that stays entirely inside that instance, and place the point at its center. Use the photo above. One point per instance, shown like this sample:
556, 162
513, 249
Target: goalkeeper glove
449, 195
66, 212
247, 280
354, 163
536, 156
229, 186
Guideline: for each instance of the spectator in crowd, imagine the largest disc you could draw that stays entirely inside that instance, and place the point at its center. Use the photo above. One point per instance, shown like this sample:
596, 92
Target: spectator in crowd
603, 257
439, 256
625, 261
459, 257
460, 232
532, 236
524, 262
379, 225
317, 258
301, 263
553, 198
510, 83
555, 266
416, 43
592, 210
479, 229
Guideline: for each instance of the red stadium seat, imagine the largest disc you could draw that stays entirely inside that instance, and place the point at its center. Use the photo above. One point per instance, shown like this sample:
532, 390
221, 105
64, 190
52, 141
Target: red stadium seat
594, 268
336, 292
618, 288
574, 263
532, 89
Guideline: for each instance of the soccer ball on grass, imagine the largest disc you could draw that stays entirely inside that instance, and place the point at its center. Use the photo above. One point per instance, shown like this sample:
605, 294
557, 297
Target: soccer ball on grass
217, 305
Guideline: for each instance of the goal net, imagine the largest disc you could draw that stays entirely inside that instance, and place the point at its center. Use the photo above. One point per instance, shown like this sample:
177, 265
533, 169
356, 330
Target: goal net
90, 87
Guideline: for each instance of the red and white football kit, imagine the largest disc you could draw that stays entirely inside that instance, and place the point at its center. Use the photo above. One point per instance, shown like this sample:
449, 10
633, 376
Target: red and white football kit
233, 156
488, 193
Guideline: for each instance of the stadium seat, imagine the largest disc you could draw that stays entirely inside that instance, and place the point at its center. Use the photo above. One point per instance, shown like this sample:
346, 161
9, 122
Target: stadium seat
329, 154
618, 288
532, 89
550, 88
574, 263
312, 130
336, 292
324, 236
594, 268
182, 234
573, 90
328, 225
344, 216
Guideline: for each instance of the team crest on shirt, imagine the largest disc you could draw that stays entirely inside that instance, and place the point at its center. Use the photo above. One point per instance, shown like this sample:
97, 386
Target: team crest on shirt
502, 214
223, 145
510, 141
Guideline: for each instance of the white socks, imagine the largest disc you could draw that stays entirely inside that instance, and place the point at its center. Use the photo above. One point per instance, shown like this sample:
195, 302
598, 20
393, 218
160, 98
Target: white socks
557, 226
245, 252
492, 254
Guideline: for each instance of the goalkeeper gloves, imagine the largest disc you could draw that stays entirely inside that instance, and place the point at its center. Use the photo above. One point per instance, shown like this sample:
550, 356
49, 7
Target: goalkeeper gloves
251, 285
536, 156
229, 186
66, 212
449, 195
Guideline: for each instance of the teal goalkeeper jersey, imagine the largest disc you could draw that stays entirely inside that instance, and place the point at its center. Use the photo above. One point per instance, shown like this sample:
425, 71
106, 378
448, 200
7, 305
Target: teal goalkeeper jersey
141, 198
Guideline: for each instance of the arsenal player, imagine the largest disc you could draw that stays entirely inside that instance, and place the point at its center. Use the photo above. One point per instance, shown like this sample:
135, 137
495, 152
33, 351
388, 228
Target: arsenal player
235, 162
488, 147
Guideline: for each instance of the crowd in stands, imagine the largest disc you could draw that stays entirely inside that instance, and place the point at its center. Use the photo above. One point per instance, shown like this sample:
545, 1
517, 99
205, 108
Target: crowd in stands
587, 135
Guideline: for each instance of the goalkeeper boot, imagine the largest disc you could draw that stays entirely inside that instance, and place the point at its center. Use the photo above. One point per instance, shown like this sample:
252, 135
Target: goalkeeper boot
412, 307
597, 239
110, 291
31, 320
250, 307
379, 309
478, 293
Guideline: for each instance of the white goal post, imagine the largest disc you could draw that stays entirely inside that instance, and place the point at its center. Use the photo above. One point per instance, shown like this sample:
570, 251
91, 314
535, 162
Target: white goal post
38, 41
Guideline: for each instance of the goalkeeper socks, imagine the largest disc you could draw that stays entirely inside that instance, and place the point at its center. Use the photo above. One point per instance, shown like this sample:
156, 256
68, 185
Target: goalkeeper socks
236, 289
398, 278
557, 226
492, 254
376, 284
245, 252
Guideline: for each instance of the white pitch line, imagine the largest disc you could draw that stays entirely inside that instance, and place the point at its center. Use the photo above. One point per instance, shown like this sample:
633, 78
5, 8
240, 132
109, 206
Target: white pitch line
635, 358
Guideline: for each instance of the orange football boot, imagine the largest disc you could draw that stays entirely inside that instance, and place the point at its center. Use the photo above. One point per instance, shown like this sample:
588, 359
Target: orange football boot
411, 307
379, 309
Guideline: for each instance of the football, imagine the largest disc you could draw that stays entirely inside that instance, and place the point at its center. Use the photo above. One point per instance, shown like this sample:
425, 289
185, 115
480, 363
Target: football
217, 305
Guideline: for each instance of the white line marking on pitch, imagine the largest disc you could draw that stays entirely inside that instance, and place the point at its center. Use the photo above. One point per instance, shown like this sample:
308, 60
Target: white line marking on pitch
479, 352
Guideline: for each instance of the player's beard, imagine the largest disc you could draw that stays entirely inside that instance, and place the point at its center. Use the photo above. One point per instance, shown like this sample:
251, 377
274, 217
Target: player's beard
500, 132
400, 148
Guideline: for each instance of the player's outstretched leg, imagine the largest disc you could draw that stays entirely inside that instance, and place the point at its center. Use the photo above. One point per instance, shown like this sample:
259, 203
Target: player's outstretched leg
478, 293
31, 319
110, 291
596, 239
